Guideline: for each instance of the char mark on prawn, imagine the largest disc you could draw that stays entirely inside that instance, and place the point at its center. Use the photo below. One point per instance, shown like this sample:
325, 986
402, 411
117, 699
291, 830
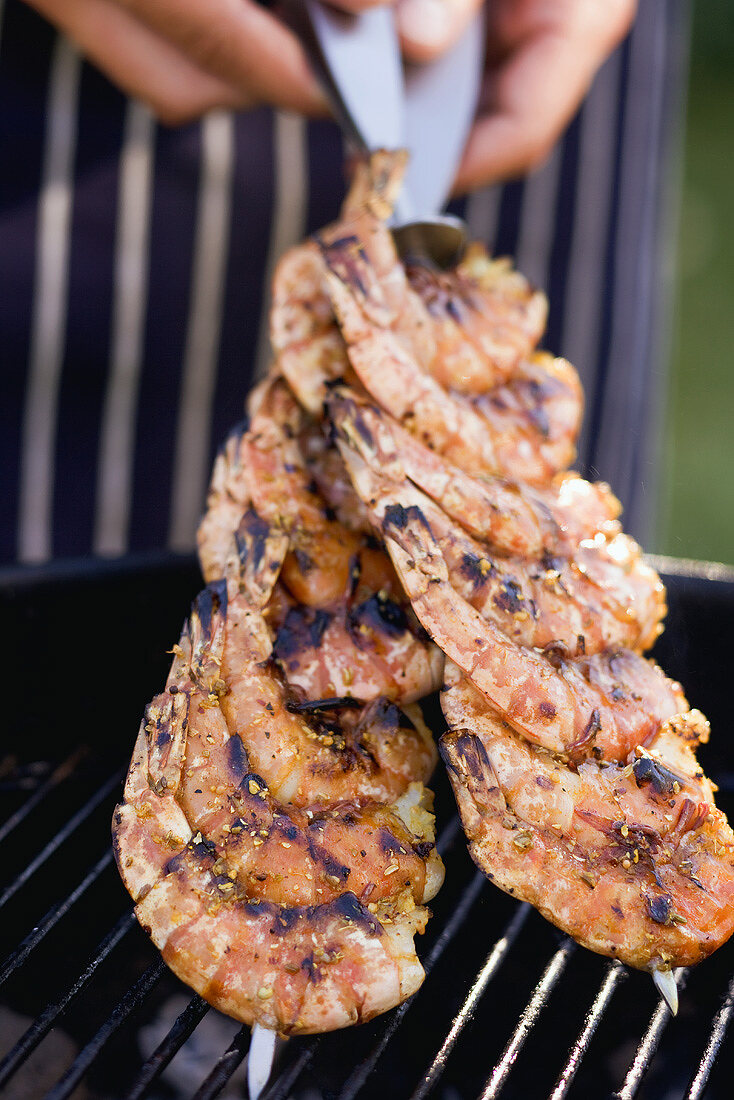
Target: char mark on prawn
662, 780
512, 599
476, 568
347, 258
238, 760
397, 517
336, 702
210, 602
251, 539
303, 628
378, 614
466, 753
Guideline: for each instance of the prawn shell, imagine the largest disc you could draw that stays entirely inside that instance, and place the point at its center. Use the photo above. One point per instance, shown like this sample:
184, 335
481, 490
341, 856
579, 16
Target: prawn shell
651, 897
249, 899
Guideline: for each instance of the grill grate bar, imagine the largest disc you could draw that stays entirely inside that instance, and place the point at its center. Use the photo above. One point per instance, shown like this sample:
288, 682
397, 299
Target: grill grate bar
528, 1019
63, 834
614, 975
43, 1023
358, 1078
648, 1045
132, 1000
183, 1026
16, 777
225, 1066
719, 1028
494, 960
52, 918
282, 1086
57, 776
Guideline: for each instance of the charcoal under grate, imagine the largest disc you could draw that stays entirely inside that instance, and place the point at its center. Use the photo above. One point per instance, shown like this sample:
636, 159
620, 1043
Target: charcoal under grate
510, 1007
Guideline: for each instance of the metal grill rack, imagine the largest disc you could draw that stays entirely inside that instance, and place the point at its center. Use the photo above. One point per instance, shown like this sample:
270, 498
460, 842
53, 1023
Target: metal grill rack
509, 1007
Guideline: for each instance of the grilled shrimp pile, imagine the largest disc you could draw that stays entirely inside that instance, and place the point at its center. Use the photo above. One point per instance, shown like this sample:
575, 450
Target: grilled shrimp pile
275, 833
395, 517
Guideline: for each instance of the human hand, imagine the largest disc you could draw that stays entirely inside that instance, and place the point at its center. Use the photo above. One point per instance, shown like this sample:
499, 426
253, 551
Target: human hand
542, 56
184, 57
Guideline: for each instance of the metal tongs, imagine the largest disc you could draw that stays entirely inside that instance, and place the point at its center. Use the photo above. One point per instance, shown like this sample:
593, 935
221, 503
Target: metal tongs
382, 102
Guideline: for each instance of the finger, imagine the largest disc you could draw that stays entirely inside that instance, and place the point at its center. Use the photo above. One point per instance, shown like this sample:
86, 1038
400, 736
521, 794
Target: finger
138, 61
429, 27
240, 43
531, 99
596, 27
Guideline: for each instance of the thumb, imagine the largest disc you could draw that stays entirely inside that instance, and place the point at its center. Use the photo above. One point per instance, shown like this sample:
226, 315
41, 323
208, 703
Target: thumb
427, 28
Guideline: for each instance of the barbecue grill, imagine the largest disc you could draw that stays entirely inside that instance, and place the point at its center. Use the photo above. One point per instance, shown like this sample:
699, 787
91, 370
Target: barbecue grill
510, 1007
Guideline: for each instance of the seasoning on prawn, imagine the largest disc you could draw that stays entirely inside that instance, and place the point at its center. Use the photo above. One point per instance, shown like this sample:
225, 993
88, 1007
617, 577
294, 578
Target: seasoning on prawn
523, 424
341, 622
604, 700
244, 871
581, 599
633, 860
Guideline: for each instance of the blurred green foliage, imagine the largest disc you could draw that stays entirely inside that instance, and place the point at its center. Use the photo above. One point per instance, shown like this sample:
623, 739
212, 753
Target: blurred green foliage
700, 432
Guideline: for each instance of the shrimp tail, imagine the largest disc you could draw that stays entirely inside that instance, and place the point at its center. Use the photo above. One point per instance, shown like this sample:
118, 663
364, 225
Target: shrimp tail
376, 184
364, 436
205, 631
227, 499
164, 726
256, 557
467, 761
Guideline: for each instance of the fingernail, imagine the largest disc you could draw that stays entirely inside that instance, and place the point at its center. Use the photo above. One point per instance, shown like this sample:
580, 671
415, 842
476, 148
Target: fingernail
426, 22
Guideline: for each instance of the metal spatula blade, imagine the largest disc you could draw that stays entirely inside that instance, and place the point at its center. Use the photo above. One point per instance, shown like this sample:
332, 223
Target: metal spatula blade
429, 111
358, 57
440, 104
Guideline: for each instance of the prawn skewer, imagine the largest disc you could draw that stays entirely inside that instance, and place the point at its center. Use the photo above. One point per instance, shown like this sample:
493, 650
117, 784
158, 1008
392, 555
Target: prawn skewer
275, 831
600, 596
631, 859
257, 900
342, 625
606, 702
469, 328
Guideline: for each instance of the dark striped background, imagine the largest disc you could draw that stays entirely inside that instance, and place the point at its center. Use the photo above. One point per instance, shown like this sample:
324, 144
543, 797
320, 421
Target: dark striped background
176, 228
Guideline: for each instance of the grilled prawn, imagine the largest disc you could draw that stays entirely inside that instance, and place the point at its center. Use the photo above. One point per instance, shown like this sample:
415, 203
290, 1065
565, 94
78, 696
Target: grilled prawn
342, 625
569, 702
582, 599
630, 857
605, 703
279, 857
522, 423
514, 518
469, 329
